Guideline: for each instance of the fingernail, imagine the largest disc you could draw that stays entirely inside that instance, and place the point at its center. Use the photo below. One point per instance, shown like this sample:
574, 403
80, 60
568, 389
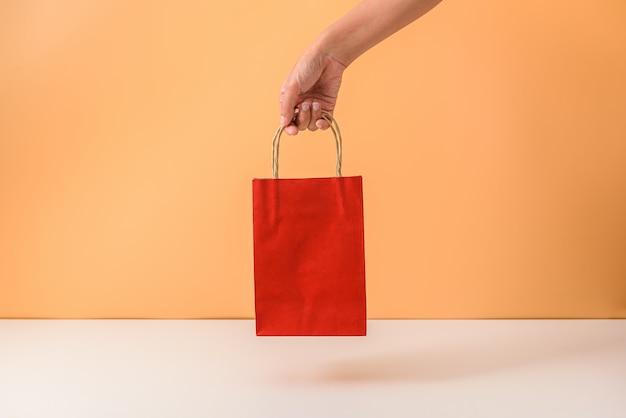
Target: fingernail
316, 106
282, 121
305, 106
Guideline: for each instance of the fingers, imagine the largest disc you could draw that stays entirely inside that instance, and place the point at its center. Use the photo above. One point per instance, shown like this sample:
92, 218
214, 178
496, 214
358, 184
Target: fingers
291, 130
304, 116
316, 114
307, 116
297, 113
322, 124
296, 117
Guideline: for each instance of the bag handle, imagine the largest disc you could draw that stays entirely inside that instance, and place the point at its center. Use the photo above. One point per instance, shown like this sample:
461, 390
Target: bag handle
334, 127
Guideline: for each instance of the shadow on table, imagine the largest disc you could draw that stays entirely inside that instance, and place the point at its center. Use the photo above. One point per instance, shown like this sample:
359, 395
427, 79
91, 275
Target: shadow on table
470, 355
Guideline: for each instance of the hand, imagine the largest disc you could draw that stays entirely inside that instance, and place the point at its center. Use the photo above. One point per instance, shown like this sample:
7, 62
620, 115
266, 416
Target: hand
312, 86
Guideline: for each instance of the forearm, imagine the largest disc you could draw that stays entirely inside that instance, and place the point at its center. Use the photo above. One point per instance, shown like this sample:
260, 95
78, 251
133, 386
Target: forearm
370, 22
313, 84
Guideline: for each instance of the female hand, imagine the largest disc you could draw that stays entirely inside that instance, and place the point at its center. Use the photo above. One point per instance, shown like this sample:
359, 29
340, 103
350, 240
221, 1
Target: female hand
312, 86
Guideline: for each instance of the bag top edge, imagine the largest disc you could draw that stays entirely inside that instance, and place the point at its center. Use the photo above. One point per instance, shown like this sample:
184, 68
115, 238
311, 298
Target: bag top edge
305, 178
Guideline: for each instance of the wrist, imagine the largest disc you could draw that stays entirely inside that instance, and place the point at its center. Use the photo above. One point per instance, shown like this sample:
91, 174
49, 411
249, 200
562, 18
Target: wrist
332, 45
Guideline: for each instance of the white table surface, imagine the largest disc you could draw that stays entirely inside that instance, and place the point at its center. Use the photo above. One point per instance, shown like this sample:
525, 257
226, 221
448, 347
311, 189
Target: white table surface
219, 368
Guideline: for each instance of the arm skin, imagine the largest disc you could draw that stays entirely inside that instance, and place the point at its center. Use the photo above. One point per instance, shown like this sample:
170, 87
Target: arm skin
313, 84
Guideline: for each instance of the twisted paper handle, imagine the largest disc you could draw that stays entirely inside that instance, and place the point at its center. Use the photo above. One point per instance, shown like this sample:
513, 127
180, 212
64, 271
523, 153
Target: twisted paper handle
334, 127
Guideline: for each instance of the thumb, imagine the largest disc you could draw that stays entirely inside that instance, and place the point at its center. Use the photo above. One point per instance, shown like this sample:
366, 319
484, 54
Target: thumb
288, 100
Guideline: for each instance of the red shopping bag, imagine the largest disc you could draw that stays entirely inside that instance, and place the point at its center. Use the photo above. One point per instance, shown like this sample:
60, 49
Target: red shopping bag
309, 262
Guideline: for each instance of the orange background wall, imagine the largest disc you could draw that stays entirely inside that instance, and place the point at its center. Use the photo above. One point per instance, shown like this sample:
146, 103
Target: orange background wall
491, 136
